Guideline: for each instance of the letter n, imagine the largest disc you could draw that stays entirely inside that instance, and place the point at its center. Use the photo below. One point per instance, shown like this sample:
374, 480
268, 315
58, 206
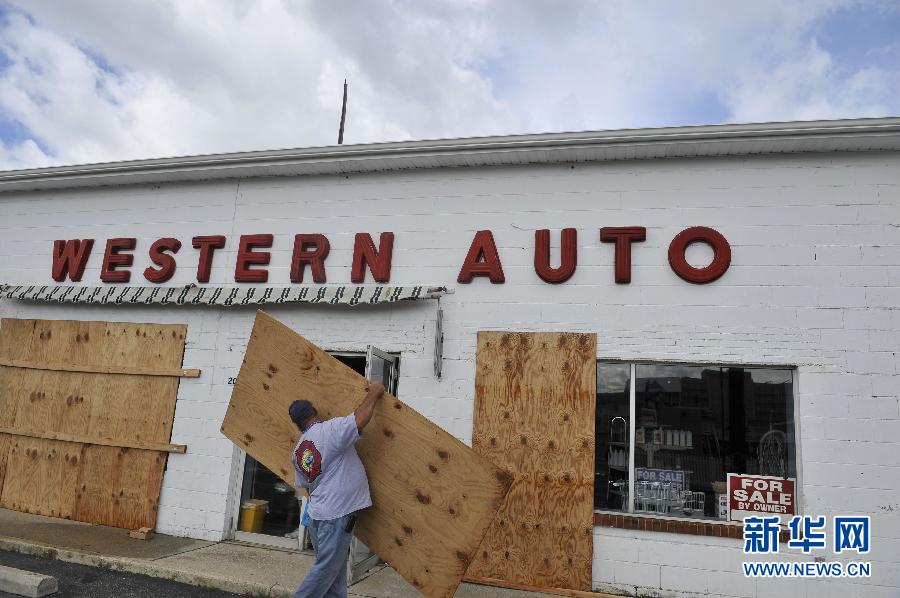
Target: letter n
379, 261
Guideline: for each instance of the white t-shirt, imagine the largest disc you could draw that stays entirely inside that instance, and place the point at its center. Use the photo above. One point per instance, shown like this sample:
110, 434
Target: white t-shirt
325, 462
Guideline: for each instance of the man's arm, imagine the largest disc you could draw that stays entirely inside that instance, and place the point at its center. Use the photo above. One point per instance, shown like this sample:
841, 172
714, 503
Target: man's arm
363, 413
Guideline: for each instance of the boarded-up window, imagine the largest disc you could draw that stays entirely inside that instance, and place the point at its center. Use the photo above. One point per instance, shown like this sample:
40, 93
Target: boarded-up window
86, 412
534, 417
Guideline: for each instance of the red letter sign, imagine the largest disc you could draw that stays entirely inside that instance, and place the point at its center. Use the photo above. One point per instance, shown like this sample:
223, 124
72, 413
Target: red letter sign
165, 261
482, 260
112, 258
315, 258
379, 261
623, 237
70, 257
716, 268
568, 256
207, 245
246, 257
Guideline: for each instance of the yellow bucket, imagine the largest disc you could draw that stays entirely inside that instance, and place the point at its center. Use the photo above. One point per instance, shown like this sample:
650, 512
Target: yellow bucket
253, 512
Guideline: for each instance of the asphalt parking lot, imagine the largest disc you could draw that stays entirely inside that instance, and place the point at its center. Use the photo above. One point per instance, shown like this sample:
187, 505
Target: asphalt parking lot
80, 581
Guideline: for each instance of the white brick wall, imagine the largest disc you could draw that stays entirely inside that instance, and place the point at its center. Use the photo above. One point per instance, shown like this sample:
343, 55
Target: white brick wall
814, 283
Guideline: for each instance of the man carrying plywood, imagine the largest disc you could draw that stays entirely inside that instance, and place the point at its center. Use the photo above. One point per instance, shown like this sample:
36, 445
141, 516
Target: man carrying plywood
433, 497
326, 464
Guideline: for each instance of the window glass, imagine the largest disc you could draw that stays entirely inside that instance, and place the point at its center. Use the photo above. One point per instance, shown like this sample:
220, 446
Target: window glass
762, 424
613, 406
678, 439
693, 426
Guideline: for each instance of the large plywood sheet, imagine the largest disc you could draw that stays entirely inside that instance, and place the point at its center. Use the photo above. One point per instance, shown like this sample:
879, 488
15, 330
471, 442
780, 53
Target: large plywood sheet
433, 496
535, 399
97, 484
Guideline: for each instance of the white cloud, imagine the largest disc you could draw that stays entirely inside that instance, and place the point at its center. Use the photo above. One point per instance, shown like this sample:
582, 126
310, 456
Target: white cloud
812, 87
190, 78
24, 154
90, 81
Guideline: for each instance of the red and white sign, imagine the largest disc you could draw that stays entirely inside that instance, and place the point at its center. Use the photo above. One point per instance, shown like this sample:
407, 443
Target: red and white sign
760, 496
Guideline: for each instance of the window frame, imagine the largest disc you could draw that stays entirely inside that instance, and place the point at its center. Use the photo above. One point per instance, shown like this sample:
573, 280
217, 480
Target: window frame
609, 514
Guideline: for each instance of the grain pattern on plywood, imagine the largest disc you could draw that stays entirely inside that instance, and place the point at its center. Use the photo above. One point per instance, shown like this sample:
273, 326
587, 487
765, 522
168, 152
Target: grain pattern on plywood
433, 496
119, 486
96, 395
42, 476
9, 404
535, 399
98, 344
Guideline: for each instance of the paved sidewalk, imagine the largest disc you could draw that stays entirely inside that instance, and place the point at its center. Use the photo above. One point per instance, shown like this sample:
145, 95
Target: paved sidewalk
229, 566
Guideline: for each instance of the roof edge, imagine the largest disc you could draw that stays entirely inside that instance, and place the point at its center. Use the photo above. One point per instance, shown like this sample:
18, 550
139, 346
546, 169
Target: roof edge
868, 134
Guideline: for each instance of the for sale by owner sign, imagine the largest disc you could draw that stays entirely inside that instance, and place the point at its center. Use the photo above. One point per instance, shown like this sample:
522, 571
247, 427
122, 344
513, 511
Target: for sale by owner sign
750, 495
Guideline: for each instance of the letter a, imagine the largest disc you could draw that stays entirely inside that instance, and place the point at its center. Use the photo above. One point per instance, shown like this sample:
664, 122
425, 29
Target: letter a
482, 260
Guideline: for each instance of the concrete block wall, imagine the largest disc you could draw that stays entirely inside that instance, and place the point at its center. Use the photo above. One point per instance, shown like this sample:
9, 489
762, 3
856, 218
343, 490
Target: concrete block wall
814, 284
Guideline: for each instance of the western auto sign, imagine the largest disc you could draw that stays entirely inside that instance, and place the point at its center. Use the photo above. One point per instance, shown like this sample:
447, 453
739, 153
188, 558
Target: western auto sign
310, 250
760, 496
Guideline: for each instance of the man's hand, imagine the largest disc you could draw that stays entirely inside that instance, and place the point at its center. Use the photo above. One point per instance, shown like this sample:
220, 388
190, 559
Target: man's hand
375, 388
363, 413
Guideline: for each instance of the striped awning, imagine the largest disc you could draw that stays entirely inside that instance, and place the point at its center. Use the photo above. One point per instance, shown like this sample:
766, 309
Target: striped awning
226, 296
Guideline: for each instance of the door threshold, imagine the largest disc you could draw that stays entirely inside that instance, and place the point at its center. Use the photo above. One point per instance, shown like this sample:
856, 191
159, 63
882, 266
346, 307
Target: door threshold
268, 541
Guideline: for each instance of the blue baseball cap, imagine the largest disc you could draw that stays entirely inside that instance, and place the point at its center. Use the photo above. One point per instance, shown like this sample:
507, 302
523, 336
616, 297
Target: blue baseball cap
300, 411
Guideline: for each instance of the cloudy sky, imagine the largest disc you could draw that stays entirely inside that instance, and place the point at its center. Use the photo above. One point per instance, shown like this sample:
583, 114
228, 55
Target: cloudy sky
98, 80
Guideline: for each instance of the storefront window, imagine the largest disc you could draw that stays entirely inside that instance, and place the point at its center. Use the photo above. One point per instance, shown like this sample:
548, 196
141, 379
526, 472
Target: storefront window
693, 425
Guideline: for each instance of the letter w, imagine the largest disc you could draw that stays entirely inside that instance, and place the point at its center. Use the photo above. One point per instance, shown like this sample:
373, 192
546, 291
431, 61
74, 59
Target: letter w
70, 257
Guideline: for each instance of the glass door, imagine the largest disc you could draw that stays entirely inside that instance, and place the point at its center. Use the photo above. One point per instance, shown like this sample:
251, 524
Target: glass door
380, 367
269, 509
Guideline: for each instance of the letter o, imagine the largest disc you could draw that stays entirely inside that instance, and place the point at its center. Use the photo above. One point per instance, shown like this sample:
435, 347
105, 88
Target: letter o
721, 254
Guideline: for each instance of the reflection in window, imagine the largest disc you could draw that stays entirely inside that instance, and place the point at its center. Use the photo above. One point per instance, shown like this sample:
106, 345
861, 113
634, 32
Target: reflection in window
613, 400
693, 426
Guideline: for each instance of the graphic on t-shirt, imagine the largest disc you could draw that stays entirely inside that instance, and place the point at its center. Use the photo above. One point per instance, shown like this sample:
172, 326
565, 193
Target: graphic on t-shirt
309, 460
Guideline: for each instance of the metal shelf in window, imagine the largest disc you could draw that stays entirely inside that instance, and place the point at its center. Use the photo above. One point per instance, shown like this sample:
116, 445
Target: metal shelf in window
617, 460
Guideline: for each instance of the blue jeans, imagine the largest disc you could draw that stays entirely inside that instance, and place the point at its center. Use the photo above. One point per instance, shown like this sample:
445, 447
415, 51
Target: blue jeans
328, 576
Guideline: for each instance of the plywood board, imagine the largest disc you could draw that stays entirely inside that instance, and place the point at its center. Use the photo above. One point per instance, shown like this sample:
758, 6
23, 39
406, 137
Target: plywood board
96, 344
433, 496
535, 399
99, 369
80, 401
131, 444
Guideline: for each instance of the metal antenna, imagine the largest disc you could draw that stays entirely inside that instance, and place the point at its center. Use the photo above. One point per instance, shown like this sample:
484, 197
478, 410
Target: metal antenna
343, 115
